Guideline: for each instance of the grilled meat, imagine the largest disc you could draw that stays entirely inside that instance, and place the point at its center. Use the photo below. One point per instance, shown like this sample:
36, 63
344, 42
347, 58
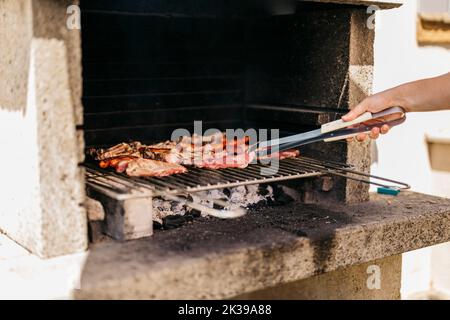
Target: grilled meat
169, 157
121, 150
118, 163
282, 155
152, 168
213, 152
228, 161
288, 154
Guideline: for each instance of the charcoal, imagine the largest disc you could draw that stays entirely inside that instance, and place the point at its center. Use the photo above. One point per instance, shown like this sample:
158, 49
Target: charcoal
172, 214
282, 199
195, 213
301, 233
263, 190
259, 205
172, 222
227, 192
157, 225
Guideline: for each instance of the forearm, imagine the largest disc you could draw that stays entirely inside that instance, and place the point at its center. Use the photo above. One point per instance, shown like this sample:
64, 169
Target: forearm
424, 95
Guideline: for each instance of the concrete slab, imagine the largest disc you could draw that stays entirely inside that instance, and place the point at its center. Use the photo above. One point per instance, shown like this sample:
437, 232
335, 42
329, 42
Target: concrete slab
214, 259
381, 4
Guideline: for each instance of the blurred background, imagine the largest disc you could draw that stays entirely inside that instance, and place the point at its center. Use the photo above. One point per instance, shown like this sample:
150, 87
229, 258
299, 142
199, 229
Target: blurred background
413, 42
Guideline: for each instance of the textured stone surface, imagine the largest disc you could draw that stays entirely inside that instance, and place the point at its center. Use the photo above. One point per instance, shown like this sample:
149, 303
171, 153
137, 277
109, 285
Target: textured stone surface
326, 63
61, 184
222, 259
306, 72
15, 36
360, 75
50, 22
125, 219
20, 20
381, 4
44, 187
94, 209
342, 284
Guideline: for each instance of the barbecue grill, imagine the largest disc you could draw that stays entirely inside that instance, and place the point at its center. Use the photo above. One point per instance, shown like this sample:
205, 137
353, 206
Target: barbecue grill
152, 67
120, 187
136, 70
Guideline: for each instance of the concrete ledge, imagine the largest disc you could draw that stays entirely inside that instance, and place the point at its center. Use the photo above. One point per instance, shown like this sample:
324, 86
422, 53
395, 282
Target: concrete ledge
212, 259
221, 259
381, 4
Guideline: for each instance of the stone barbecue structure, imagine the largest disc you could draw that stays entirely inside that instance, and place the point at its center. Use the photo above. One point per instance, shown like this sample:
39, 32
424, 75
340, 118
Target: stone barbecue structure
138, 70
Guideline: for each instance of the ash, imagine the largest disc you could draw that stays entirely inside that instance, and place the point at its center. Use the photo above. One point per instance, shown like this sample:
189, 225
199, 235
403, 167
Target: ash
171, 214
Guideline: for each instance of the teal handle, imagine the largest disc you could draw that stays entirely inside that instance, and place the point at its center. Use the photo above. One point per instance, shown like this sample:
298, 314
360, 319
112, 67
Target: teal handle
388, 191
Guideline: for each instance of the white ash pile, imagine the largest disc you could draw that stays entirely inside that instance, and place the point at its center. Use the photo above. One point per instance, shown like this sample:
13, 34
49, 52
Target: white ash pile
172, 214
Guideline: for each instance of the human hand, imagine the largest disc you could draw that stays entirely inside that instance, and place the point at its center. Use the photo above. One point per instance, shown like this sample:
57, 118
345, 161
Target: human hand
419, 96
373, 104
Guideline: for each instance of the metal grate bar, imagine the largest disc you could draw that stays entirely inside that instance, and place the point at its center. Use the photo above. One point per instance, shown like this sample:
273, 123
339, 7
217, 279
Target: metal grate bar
122, 187
203, 179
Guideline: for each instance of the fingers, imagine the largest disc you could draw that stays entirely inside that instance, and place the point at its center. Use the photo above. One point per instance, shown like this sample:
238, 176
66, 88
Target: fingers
385, 129
361, 137
355, 112
374, 134
374, 103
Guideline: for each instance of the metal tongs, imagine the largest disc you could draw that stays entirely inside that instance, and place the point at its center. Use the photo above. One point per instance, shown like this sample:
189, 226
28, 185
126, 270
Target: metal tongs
336, 130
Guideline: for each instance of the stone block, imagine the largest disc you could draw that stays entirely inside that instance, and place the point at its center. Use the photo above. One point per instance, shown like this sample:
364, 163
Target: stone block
62, 187
43, 200
15, 36
50, 22
94, 210
40, 106
375, 280
95, 231
125, 219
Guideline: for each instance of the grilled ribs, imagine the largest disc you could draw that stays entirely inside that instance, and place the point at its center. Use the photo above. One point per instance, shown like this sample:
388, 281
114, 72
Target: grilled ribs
211, 152
170, 157
120, 150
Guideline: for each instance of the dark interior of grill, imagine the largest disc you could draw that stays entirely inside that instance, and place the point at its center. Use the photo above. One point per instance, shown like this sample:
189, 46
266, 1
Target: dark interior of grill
150, 67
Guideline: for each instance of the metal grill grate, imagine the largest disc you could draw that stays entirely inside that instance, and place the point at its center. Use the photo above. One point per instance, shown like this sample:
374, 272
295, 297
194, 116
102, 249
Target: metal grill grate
178, 187
202, 180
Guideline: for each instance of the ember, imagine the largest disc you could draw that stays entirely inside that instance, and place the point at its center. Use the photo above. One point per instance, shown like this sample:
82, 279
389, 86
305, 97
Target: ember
174, 214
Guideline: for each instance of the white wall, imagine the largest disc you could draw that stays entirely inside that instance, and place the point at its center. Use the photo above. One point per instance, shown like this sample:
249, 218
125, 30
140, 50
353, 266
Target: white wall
398, 59
403, 153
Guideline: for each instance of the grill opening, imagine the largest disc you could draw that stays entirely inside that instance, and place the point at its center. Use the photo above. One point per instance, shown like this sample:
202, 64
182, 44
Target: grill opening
150, 67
